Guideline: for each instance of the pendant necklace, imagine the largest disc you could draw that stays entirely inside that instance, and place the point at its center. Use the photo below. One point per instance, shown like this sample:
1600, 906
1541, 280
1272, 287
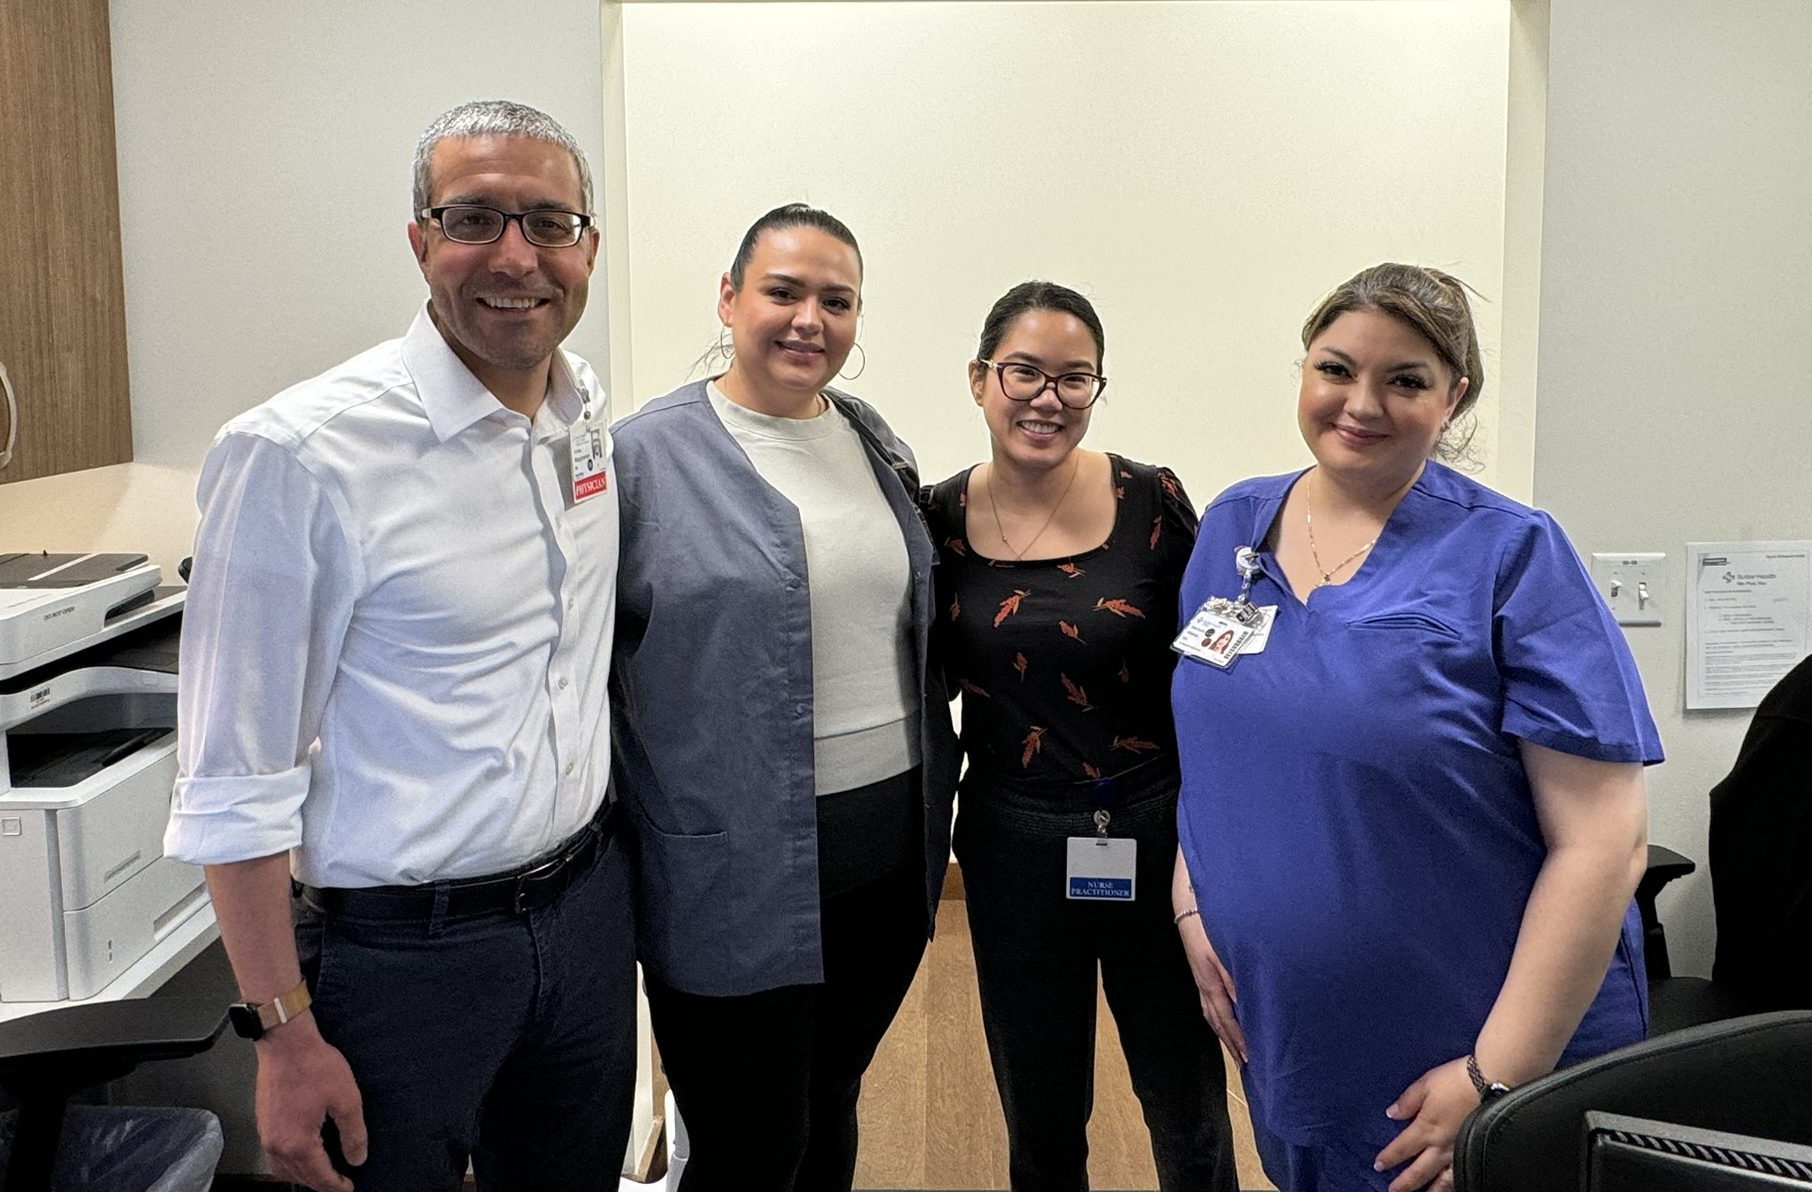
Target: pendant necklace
994, 508
1327, 573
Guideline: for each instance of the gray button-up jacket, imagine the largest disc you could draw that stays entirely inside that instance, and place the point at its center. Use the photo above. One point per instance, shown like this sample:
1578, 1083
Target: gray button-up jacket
712, 699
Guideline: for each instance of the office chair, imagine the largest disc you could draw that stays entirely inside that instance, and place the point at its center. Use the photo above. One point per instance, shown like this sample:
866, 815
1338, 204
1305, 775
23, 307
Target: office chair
45, 1058
1748, 1076
1675, 1002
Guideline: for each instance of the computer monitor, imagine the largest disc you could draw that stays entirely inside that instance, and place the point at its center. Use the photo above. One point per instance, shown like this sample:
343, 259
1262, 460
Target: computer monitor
1628, 1154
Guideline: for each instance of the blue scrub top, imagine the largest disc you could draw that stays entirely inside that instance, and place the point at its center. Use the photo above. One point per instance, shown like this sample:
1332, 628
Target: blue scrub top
1355, 814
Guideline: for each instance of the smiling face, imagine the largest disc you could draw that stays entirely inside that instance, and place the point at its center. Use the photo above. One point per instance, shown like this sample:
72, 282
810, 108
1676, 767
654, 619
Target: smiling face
504, 307
1042, 432
1375, 398
792, 320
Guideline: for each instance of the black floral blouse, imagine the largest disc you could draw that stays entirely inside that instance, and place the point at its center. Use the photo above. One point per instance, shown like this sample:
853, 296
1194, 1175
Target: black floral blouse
1064, 664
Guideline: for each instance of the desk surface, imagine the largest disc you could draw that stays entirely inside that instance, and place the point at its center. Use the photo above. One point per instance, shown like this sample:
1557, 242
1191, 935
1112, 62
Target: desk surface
183, 943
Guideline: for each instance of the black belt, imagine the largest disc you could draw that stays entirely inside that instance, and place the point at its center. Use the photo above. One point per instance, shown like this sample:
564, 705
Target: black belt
531, 887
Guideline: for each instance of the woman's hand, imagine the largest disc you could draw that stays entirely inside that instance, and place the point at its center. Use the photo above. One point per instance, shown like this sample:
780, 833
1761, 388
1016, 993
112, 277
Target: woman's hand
1213, 985
1434, 1106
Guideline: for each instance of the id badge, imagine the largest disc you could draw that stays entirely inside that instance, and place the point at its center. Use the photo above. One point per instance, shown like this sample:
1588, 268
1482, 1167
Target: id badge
1223, 629
591, 475
1101, 868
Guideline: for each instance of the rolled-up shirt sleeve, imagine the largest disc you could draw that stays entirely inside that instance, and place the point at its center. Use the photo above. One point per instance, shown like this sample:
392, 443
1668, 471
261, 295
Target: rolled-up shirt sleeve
271, 593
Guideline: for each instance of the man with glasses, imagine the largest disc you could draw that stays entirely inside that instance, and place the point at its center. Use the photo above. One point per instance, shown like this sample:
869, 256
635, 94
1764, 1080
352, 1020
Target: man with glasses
393, 688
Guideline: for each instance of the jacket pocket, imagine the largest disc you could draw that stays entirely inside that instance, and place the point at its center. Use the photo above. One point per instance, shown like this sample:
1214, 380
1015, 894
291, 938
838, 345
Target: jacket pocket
681, 892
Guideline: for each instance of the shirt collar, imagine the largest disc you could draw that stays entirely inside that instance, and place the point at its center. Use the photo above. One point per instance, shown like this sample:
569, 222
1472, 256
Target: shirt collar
455, 400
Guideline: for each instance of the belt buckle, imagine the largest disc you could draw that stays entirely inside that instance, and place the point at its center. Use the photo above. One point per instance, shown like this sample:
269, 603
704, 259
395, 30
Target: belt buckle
543, 872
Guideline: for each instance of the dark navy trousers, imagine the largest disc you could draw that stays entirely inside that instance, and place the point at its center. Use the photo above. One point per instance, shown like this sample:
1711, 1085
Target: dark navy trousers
506, 1039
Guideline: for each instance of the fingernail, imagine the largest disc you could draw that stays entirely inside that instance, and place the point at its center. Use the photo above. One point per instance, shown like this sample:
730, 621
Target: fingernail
1377, 1165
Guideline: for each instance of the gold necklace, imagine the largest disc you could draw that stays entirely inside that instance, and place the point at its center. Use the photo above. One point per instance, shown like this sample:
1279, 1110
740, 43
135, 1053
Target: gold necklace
1327, 573
994, 508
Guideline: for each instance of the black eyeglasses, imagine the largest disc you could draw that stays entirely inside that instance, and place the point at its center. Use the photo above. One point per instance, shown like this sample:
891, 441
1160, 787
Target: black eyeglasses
1024, 382
467, 223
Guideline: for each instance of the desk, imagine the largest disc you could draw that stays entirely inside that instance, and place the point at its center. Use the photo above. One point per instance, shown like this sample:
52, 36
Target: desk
179, 946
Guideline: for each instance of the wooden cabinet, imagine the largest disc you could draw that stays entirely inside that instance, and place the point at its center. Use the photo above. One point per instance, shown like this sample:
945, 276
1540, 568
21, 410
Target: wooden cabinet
62, 300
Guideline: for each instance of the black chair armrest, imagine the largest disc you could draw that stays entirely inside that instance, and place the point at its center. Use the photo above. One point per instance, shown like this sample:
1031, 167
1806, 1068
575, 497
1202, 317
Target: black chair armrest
1664, 865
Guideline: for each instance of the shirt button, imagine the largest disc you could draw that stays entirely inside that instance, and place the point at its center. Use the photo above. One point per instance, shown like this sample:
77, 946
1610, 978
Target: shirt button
570, 603
563, 682
569, 769
801, 709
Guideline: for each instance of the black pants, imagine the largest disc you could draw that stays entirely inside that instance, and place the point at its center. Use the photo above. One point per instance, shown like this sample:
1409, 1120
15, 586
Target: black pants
767, 1083
1036, 956
505, 1038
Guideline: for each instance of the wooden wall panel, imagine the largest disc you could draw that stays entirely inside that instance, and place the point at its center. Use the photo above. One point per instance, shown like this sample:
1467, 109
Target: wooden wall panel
62, 297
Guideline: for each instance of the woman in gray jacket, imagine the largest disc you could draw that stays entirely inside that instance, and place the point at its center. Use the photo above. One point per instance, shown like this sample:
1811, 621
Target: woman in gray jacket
784, 747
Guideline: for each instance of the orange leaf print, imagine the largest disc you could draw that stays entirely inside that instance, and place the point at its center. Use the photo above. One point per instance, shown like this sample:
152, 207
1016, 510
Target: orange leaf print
1135, 744
956, 544
1071, 570
1010, 605
1125, 674
1157, 528
1077, 695
1020, 664
973, 689
1034, 741
1070, 630
1124, 474
1119, 608
1119, 492
962, 499
1090, 771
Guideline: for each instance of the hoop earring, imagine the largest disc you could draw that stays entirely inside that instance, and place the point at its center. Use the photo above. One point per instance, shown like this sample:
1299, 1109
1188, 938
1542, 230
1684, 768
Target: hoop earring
728, 352
863, 365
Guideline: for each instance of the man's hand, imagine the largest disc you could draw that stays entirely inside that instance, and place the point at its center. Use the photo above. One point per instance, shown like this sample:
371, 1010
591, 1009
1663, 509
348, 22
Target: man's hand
1434, 1107
302, 1081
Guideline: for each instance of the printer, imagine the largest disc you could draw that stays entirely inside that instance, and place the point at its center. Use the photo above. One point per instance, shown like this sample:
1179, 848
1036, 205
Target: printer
88, 647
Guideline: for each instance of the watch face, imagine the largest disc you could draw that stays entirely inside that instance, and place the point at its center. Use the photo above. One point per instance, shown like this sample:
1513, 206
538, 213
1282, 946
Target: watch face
245, 1020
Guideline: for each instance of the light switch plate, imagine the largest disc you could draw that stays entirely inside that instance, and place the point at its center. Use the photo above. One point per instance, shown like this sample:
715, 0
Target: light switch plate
1632, 583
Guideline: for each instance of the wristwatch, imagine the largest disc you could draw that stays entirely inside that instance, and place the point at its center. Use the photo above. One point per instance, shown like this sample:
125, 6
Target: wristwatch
1488, 1090
252, 1019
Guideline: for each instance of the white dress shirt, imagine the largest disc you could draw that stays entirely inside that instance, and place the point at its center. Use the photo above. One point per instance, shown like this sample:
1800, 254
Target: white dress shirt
398, 628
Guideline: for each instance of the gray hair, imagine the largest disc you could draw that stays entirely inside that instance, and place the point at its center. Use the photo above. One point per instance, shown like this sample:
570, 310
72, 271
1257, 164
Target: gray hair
495, 118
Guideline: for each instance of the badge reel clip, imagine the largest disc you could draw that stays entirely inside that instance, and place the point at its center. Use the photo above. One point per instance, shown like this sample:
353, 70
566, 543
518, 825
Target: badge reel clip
1223, 630
1101, 868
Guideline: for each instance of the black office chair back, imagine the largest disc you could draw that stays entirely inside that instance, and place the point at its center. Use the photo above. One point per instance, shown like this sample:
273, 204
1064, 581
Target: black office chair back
1743, 1075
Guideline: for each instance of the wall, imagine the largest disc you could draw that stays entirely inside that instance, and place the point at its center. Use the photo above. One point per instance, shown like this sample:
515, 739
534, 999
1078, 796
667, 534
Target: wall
1673, 301
1205, 172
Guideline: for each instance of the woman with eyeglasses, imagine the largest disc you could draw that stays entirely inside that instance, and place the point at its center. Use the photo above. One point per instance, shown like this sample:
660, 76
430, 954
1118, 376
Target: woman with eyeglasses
1057, 598
785, 752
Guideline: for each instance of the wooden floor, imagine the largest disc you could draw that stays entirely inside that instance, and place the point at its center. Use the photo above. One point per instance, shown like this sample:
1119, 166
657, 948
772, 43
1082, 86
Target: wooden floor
931, 1117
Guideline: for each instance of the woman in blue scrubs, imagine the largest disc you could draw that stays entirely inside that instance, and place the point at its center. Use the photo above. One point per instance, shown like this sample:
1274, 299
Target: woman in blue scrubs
1412, 814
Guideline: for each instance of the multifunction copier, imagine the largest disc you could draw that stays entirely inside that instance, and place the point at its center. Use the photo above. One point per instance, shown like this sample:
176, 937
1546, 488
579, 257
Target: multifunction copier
88, 648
